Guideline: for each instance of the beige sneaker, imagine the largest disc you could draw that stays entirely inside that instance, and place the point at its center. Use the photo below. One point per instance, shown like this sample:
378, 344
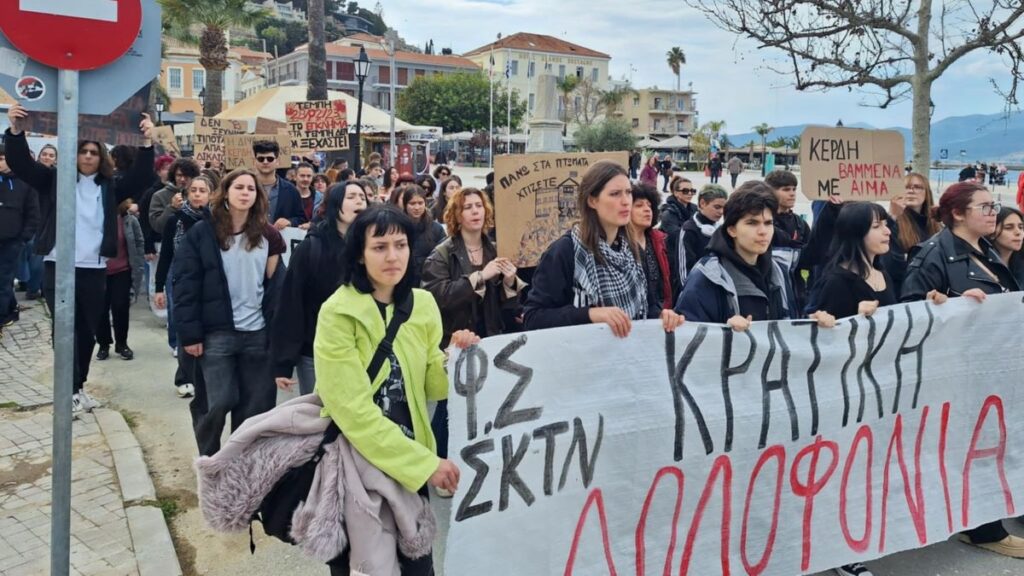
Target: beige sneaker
1011, 546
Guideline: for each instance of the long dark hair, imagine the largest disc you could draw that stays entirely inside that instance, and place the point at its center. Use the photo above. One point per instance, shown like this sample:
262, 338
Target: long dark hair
106, 169
852, 225
327, 227
594, 180
384, 219
255, 220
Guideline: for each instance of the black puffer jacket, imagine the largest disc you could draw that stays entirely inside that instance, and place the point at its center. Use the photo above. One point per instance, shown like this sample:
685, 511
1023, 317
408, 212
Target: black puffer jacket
19, 209
944, 263
202, 302
314, 274
44, 180
674, 214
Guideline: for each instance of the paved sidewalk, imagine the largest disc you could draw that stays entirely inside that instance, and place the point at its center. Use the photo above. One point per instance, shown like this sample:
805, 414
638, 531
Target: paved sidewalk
116, 526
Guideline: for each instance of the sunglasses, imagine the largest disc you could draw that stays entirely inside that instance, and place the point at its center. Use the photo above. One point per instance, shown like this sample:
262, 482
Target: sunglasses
89, 152
686, 190
266, 159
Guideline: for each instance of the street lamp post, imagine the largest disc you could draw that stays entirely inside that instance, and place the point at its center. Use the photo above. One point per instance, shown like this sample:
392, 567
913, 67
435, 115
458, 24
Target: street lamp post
390, 47
159, 112
362, 65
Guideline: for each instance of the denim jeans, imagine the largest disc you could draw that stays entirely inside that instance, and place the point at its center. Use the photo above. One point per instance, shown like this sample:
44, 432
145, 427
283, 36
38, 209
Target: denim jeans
238, 382
307, 375
10, 258
30, 271
172, 336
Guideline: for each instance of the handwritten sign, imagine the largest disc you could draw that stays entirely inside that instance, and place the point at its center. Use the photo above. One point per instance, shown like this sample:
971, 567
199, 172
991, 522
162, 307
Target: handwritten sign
786, 449
852, 163
238, 150
535, 197
164, 138
210, 133
318, 124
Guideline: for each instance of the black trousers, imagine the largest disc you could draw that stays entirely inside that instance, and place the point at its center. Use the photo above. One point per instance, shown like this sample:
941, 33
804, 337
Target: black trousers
988, 533
90, 297
118, 301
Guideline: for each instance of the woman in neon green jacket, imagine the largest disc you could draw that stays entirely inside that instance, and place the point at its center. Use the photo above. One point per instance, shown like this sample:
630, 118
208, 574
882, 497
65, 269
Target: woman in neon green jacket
385, 419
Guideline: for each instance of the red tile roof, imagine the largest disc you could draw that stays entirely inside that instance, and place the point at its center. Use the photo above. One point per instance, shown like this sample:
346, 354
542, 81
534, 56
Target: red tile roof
539, 43
400, 56
364, 37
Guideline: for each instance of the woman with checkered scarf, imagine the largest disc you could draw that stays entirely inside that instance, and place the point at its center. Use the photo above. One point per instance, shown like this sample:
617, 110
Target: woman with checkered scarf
593, 274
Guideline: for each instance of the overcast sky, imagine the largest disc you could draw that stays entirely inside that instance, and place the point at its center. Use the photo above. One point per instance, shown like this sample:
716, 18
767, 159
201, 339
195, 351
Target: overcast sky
727, 74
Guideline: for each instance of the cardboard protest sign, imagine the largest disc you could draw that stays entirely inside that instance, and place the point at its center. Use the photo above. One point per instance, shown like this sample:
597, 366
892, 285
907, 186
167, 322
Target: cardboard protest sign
164, 138
852, 163
238, 150
209, 137
318, 124
535, 199
786, 449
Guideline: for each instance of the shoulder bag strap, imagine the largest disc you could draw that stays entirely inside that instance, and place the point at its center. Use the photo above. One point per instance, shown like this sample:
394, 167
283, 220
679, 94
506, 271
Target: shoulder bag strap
403, 310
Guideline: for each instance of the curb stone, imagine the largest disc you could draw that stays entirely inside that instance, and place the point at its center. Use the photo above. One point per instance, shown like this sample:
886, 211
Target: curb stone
151, 538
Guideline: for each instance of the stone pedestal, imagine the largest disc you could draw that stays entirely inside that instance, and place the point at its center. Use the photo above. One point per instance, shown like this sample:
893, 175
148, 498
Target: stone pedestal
545, 128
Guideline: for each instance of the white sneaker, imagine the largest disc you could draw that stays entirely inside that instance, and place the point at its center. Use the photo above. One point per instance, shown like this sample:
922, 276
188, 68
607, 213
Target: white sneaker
174, 352
855, 569
76, 405
88, 402
186, 390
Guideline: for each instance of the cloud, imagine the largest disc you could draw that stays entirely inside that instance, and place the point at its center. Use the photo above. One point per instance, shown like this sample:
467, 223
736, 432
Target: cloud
728, 73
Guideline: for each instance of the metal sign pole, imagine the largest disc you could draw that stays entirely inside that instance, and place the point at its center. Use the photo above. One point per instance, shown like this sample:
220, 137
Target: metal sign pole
64, 322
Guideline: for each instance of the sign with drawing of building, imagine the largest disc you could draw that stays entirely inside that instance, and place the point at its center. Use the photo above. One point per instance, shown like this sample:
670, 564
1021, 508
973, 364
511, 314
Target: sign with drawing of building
535, 199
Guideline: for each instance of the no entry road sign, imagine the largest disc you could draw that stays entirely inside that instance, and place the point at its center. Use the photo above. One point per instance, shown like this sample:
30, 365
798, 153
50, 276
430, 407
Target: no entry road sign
102, 90
72, 34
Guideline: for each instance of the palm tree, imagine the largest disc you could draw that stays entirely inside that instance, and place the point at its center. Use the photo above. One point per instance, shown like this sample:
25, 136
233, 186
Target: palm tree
317, 75
611, 99
676, 58
763, 129
215, 17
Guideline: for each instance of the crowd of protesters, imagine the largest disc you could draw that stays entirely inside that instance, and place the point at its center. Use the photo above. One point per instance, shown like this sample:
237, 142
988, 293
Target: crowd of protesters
396, 268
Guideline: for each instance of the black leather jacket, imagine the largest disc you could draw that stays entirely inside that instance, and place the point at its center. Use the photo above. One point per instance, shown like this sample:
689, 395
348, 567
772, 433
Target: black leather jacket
941, 263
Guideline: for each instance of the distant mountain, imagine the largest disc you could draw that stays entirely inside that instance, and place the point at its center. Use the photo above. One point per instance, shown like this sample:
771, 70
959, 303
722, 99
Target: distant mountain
984, 137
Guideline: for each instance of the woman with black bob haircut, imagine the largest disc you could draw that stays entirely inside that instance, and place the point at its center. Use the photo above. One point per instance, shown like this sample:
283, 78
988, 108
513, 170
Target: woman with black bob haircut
854, 281
592, 274
384, 415
314, 273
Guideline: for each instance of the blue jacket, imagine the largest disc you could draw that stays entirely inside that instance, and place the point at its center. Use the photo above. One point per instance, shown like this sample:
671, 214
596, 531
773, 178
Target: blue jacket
712, 295
289, 204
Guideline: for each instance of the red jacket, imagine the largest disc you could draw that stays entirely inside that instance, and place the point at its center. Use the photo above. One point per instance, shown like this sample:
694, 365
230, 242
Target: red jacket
658, 241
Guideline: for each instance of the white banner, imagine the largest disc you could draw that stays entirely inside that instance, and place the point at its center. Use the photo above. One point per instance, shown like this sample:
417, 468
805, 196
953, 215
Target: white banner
292, 237
787, 449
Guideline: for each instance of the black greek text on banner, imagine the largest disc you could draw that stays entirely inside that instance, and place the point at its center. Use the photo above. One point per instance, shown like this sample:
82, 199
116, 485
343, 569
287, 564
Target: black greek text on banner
783, 450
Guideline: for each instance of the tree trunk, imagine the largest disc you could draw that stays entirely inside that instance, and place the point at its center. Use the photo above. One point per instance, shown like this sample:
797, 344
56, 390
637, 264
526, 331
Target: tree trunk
317, 76
921, 84
213, 57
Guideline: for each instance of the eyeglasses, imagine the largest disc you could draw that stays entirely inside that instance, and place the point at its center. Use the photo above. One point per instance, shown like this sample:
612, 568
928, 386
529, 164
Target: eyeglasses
266, 159
686, 190
988, 209
89, 152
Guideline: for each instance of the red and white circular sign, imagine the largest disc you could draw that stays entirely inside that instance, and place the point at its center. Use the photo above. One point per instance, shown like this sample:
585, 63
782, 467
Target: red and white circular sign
72, 34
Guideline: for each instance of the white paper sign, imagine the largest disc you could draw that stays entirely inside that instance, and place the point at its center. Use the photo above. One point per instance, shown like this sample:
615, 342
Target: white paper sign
292, 238
784, 450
